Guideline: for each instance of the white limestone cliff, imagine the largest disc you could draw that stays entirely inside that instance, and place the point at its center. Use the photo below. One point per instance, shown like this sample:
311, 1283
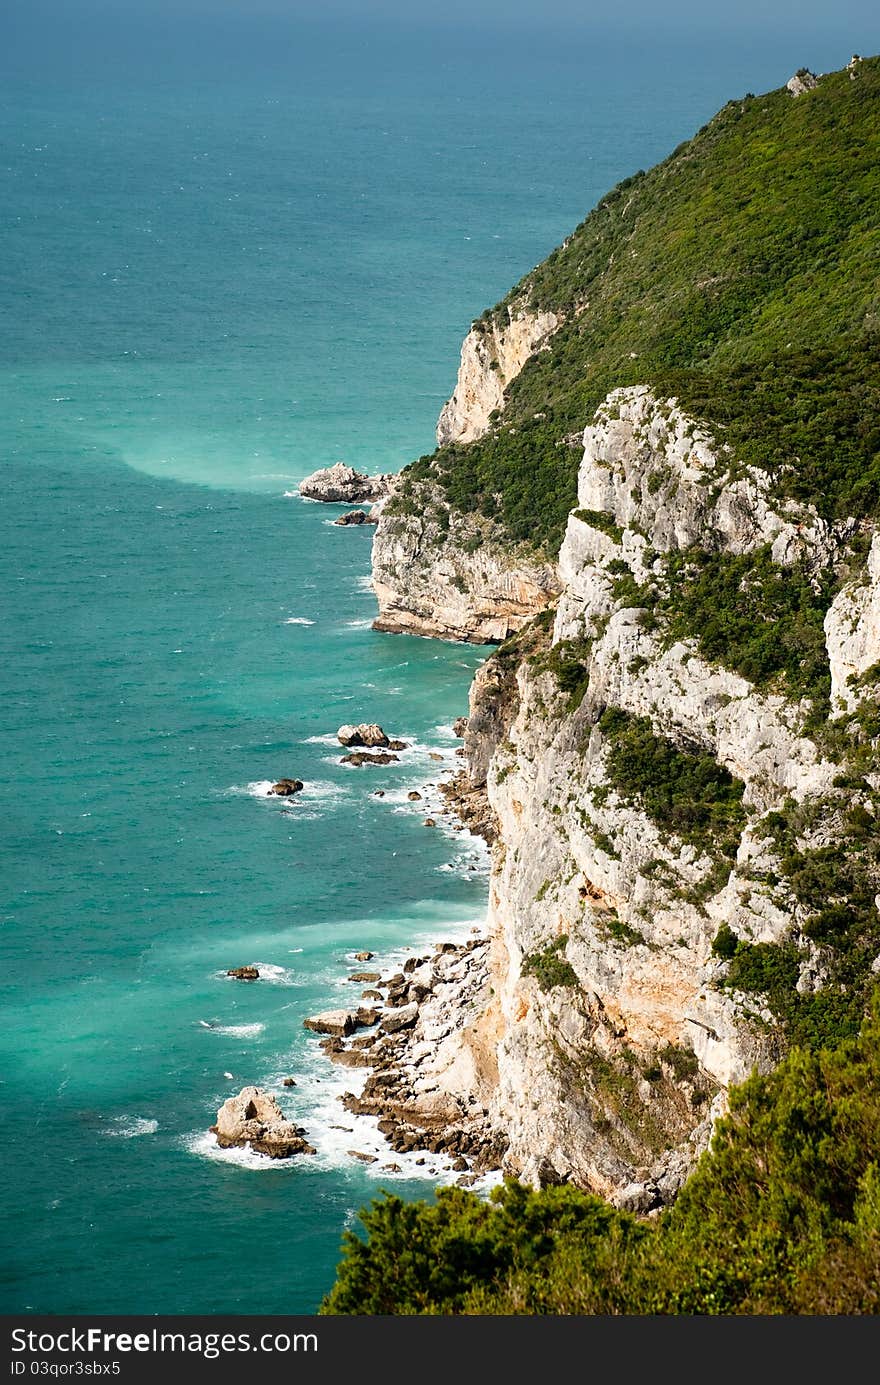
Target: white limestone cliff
492, 355
614, 1079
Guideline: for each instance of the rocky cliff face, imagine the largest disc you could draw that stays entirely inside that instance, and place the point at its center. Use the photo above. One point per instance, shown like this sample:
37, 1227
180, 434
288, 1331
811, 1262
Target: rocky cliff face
616, 1035
442, 573
492, 355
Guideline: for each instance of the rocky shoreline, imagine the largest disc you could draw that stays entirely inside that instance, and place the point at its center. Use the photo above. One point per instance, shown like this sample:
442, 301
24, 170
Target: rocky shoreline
414, 1032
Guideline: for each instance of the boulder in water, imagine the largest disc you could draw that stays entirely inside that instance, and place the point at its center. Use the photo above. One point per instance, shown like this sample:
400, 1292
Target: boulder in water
244, 973
254, 1118
286, 787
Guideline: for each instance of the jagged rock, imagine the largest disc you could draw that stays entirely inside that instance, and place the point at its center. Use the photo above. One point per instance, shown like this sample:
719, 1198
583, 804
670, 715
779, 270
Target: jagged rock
342, 483
368, 734
244, 973
434, 755
492, 355
398, 745
288, 1082
400, 1019
364, 1158
429, 822
367, 1017
254, 1118
364, 956
460, 726
371, 995
378, 793
803, 80
354, 517
364, 976
286, 787
338, 1023
363, 757
414, 796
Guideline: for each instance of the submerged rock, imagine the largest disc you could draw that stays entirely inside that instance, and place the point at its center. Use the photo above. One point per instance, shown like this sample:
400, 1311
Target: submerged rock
363, 757
254, 1118
355, 517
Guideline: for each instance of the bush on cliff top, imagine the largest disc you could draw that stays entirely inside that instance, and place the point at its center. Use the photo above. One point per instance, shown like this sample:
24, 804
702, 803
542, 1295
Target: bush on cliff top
781, 1216
738, 275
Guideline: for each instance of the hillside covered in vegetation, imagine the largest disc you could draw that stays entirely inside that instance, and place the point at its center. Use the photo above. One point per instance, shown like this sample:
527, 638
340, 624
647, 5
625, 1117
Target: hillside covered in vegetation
740, 275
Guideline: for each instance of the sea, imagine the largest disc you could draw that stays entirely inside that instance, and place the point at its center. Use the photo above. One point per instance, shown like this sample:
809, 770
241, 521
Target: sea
228, 258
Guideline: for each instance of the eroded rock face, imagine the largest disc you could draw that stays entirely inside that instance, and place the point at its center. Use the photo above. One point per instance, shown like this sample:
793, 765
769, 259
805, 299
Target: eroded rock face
254, 1119
852, 632
342, 484
456, 581
613, 1075
493, 353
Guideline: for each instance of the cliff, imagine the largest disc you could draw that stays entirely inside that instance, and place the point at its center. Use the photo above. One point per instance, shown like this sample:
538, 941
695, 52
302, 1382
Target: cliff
657, 483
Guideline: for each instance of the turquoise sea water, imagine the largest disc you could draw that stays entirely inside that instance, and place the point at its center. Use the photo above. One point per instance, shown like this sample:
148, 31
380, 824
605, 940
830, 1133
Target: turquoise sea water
215, 280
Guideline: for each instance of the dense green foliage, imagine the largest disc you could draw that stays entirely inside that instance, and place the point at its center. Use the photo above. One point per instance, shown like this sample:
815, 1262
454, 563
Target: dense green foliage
548, 967
781, 1216
685, 791
739, 275
751, 615
834, 888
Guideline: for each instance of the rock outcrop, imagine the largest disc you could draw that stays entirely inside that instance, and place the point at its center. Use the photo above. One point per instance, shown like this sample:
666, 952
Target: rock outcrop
803, 80
493, 353
367, 733
357, 517
341, 484
852, 633
442, 573
254, 1119
247, 973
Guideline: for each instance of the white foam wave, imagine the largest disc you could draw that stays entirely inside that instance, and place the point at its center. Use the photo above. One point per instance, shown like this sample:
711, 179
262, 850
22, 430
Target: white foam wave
298, 620
275, 975
205, 1146
328, 739
366, 624
258, 788
323, 789
129, 1127
364, 583
290, 495
238, 1031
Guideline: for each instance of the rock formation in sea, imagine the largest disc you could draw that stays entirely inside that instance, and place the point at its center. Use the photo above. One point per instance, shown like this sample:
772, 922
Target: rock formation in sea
342, 484
254, 1120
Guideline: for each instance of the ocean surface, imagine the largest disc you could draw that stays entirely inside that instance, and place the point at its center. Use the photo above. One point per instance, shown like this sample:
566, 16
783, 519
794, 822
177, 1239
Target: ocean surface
216, 275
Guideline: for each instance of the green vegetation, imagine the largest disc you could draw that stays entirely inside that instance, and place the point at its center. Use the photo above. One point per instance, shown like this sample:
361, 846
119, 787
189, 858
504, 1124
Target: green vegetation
751, 615
684, 791
738, 275
569, 662
781, 1216
548, 967
600, 520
